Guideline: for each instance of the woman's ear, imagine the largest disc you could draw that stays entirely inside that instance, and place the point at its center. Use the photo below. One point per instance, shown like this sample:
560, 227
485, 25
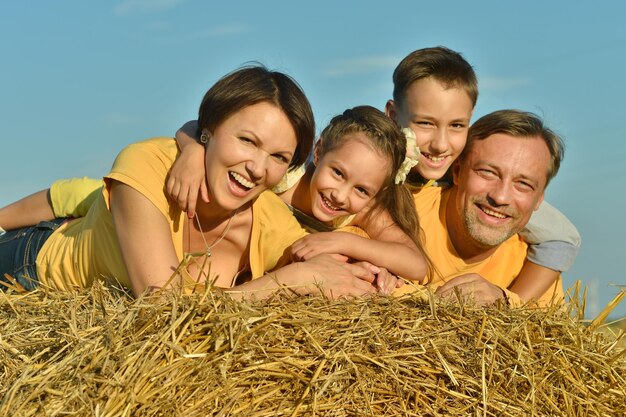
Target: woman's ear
205, 136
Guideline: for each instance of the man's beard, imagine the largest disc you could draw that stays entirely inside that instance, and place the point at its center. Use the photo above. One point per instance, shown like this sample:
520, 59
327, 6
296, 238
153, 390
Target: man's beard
487, 236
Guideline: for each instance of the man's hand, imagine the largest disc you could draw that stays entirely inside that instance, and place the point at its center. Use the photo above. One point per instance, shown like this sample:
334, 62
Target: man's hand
471, 286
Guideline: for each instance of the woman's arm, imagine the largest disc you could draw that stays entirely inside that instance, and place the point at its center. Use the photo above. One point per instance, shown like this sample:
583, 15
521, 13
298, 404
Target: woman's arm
145, 239
187, 176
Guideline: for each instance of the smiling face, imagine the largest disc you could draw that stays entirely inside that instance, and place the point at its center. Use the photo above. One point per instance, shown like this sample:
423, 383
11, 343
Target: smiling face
248, 153
498, 185
440, 118
346, 178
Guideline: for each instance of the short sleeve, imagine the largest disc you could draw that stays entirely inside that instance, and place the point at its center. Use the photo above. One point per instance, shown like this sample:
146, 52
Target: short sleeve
145, 166
74, 197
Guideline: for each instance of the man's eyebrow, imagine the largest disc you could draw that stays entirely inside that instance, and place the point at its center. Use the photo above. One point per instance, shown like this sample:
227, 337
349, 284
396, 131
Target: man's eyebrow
495, 167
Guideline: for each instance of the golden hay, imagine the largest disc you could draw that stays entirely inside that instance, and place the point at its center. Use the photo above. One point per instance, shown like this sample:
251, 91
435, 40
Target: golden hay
100, 353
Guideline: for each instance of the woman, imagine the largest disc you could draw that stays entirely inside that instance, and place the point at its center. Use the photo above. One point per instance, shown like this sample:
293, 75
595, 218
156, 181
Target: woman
258, 124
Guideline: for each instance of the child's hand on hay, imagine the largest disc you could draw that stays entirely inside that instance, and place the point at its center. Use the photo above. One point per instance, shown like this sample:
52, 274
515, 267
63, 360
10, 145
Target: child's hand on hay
385, 281
472, 286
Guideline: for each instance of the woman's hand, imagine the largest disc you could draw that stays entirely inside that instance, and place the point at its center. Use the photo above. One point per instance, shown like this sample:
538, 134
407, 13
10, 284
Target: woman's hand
324, 274
187, 176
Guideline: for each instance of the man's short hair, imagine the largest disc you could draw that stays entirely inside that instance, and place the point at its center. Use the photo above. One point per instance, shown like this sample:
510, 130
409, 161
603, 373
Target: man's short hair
517, 123
444, 65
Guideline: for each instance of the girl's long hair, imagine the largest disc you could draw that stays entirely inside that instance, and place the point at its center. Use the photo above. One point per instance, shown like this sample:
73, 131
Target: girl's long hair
385, 137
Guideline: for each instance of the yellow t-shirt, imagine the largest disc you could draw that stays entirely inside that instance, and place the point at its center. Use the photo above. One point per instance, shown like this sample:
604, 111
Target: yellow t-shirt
74, 197
86, 248
501, 268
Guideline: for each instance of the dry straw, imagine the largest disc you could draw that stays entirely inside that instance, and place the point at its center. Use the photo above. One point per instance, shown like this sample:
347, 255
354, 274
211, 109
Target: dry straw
101, 353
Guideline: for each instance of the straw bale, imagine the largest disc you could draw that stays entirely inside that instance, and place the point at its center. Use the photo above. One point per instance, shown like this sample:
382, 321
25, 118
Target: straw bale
100, 353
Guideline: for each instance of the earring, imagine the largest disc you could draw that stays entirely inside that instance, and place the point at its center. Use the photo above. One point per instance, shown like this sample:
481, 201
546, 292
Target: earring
204, 138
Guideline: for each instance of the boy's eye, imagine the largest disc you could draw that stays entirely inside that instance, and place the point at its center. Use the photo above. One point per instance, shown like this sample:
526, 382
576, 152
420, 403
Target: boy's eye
245, 140
423, 123
458, 125
337, 172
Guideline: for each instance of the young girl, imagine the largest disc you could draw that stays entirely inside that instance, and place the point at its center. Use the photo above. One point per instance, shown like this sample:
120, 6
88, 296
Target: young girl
257, 123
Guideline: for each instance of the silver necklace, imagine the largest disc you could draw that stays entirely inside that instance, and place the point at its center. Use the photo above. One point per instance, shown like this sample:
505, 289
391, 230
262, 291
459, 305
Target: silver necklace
219, 238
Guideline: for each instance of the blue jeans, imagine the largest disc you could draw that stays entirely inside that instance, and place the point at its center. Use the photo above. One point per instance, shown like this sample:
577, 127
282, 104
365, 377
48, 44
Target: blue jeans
18, 253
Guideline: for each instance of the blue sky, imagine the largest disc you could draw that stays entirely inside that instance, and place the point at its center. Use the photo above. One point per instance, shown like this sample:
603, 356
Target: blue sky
80, 80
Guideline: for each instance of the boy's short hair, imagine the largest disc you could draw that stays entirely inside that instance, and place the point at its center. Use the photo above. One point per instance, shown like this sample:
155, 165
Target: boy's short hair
443, 64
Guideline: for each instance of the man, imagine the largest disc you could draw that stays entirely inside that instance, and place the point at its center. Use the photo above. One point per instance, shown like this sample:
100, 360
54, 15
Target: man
470, 229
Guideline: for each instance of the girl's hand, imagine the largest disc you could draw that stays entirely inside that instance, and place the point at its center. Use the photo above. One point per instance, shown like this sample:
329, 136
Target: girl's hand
318, 243
385, 282
187, 177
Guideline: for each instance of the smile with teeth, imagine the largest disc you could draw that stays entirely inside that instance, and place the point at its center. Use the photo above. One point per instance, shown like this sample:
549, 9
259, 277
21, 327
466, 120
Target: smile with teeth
328, 204
493, 213
435, 159
241, 180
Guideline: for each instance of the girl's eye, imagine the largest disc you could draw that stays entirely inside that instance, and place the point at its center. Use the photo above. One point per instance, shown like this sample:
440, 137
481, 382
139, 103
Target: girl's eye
245, 140
458, 125
362, 191
337, 172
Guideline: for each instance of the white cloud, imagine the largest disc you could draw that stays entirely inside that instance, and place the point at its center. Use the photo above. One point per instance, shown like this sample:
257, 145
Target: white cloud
361, 65
502, 83
145, 6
